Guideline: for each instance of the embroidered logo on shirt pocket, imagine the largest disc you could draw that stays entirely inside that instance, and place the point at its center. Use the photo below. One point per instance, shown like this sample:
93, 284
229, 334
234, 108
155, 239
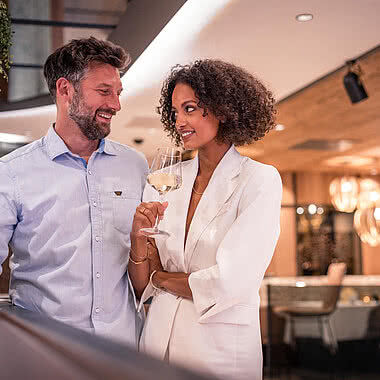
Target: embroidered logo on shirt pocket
123, 208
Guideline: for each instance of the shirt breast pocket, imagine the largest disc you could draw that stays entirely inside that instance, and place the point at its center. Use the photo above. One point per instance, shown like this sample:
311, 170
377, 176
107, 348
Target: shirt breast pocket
123, 208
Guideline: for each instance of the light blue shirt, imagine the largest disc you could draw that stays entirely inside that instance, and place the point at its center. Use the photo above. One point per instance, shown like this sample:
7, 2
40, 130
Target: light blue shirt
68, 224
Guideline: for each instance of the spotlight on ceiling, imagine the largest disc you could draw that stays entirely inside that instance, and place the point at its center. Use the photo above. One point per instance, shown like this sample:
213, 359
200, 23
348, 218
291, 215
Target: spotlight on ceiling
353, 84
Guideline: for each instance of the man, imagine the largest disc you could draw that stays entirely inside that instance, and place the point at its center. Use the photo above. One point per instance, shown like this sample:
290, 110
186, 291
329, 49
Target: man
67, 200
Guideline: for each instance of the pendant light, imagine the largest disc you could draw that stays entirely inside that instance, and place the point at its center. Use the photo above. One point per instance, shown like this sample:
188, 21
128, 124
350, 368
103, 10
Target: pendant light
369, 194
367, 225
344, 193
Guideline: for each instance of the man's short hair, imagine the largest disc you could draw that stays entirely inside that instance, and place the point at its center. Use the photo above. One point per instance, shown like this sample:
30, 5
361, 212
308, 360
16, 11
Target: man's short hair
72, 60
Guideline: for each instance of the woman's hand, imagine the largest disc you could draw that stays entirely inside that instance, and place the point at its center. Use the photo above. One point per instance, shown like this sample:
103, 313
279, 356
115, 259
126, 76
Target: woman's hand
153, 256
139, 267
145, 216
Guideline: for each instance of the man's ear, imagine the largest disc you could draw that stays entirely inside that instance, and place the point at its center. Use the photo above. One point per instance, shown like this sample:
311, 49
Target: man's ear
64, 88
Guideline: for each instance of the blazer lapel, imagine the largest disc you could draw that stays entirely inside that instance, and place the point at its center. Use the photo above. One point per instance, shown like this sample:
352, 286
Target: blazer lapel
220, 188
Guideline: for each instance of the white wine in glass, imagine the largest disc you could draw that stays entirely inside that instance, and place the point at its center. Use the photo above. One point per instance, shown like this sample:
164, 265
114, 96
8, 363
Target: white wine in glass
164, 182
165, 175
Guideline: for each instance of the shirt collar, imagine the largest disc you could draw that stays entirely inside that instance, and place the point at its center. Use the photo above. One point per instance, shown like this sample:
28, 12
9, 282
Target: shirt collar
56, 146
107, 147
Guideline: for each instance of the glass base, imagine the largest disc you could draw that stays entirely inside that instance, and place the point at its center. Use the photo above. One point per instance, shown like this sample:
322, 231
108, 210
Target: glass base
151, 232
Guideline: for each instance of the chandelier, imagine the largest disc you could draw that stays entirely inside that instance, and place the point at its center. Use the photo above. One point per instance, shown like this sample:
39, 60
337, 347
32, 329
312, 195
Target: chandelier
369, 194
348, 193
367, 225
344, 193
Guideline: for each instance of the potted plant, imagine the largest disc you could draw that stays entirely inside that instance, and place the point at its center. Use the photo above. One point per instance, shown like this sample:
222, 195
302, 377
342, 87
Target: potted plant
5, 40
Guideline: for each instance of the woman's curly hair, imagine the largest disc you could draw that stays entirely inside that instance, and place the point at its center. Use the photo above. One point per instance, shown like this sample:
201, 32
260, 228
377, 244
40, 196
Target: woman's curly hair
229, 92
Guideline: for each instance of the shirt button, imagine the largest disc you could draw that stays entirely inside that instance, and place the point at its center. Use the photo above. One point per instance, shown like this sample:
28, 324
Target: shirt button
94, 204
97, 238
97, 310
89, 172
97, 275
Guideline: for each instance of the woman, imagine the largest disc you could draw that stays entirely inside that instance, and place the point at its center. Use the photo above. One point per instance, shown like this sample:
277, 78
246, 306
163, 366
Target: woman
223, 224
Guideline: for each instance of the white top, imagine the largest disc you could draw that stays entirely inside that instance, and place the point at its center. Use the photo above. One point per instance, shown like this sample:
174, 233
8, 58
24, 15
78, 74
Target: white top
229, 245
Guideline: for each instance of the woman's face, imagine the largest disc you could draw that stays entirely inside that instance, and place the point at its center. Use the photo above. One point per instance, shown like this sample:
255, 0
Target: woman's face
196, 130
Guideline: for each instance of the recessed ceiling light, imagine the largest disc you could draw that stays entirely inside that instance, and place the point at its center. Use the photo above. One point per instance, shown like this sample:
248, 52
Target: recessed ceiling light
11, 138
302, 17
279, 127
138, 140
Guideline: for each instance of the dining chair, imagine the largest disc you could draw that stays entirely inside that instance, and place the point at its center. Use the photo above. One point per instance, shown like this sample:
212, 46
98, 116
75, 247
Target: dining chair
322, 314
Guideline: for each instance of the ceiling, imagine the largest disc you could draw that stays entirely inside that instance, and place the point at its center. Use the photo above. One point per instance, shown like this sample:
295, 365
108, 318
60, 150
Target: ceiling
264, 37
324, 131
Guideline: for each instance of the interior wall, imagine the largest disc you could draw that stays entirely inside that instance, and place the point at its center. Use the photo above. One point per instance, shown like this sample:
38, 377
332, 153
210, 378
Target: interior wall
313, 188
370, 259
284, 259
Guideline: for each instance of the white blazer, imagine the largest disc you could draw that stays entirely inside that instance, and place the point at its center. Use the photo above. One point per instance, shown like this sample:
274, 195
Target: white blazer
229, 245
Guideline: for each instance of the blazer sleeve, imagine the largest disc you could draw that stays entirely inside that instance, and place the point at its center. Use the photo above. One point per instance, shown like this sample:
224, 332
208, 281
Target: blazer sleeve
243, 255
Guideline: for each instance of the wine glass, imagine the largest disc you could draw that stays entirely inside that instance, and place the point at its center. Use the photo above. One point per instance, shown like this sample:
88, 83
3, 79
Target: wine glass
165, 175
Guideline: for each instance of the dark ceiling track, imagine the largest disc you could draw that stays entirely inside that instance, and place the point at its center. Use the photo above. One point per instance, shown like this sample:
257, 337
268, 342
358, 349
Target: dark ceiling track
27, 66
357, 59
37, 101
27, 21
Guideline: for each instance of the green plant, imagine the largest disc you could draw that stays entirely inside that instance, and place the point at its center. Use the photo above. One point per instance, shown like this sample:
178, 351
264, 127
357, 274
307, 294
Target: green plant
5, 40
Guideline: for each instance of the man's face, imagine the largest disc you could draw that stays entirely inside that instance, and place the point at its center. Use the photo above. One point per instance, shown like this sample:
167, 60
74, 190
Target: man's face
96, 100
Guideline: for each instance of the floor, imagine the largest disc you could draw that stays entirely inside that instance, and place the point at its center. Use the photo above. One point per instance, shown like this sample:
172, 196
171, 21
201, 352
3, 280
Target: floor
307, 374
357, 360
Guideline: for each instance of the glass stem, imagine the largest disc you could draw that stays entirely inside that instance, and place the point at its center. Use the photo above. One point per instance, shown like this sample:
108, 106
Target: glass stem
162, 200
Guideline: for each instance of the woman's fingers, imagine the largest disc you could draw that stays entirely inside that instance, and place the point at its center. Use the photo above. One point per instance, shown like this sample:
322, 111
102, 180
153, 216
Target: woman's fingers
151, 243
150, 211
146, 211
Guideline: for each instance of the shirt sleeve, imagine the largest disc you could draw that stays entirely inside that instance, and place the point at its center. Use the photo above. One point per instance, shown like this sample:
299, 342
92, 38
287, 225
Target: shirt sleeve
8, 210
243, 255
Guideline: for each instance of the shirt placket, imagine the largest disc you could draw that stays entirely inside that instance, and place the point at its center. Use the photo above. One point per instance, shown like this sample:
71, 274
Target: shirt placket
97, 244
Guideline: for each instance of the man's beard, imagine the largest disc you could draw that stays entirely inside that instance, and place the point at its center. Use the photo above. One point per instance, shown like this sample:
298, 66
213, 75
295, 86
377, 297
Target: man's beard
82, 115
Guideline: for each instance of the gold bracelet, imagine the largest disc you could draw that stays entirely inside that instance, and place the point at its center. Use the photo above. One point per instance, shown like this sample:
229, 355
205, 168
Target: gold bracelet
151, 280
137, 262
141, 258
